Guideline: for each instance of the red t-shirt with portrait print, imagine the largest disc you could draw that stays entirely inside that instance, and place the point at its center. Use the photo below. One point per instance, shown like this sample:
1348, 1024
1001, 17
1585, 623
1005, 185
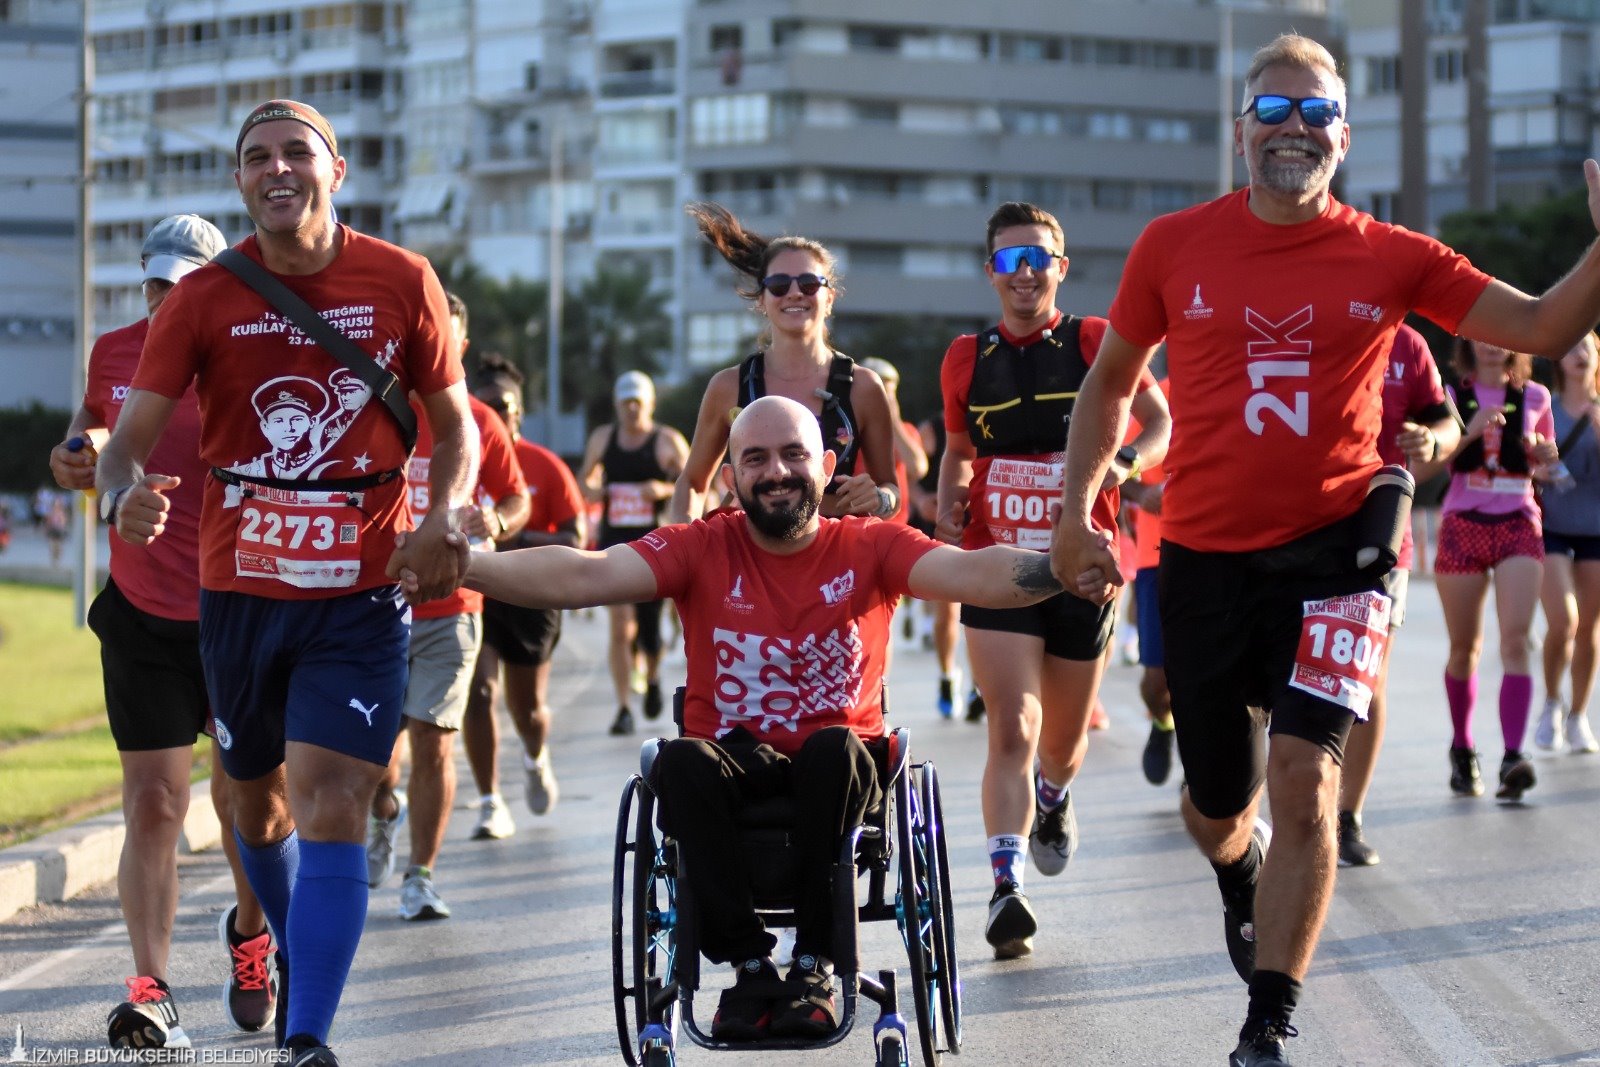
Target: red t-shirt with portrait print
275, 405
163, 577
1277, 338
784, 645
955, 380
499, 476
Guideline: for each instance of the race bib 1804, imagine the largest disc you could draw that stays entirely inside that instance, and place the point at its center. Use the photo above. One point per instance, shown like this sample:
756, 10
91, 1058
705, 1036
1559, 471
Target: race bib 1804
1341, 649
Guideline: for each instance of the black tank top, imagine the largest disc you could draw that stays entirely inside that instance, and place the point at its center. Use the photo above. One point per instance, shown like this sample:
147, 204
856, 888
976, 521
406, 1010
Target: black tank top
626, 515
840, 433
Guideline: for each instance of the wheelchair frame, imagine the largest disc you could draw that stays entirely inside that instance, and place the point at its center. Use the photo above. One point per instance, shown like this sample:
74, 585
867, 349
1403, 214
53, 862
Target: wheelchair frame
656, 964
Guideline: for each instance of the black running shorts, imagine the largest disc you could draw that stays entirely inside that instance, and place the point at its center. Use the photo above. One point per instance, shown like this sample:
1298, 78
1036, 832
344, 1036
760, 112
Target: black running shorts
1072, 628
155, 687
523, 637
1232, 623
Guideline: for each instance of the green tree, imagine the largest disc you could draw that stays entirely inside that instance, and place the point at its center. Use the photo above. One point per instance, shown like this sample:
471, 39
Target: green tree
613, 323
1528, 246
915, 345
29, 433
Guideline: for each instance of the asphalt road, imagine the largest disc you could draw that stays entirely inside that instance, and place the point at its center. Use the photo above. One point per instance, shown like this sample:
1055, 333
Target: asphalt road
1475, 942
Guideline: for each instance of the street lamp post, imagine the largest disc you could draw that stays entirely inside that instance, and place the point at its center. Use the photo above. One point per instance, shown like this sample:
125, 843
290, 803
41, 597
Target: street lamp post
84, 518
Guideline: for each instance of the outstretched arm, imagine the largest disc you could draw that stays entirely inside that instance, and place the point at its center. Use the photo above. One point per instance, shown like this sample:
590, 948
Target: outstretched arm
554, 576
995, 577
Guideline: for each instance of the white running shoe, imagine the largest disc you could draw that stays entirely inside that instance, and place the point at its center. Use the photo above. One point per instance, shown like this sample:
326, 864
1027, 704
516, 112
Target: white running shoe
1547, 734
381, 834
1580, 739
494, 820
418, 898
543, 789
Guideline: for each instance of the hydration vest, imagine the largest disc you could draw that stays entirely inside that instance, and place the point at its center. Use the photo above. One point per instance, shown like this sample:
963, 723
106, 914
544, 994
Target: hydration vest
1513, 457
840, 434
1020, 399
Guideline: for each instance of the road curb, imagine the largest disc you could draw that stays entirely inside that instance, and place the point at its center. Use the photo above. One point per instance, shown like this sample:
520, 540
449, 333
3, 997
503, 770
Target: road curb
61, 864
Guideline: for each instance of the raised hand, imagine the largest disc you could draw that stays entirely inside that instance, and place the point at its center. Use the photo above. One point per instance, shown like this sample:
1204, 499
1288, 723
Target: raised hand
142, 510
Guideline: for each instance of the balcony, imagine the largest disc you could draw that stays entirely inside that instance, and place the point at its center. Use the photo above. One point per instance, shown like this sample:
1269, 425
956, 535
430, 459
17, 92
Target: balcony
654, 225
626, 84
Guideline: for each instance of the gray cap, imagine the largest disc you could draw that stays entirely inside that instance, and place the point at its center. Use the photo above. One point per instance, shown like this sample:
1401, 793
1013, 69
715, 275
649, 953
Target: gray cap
634, 385
179, 244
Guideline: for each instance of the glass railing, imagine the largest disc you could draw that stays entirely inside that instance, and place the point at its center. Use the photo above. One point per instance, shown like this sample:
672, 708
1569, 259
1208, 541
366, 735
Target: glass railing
637, 83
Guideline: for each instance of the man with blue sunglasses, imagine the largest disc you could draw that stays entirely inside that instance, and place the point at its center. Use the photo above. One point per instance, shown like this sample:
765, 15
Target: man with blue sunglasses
1278, 306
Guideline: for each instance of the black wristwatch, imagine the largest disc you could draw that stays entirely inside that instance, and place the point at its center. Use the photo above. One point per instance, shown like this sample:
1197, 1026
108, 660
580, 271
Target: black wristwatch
1128, 456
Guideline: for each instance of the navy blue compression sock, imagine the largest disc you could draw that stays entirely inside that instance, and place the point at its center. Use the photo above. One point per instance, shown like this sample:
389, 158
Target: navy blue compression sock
271, 871
326, 916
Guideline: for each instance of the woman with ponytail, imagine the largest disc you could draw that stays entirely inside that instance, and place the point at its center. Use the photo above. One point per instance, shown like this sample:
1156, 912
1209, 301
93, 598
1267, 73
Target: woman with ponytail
792, 282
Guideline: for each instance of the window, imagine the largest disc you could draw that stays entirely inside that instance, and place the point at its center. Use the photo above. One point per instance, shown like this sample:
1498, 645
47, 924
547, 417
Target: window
530, 77
1449, 65
874, 39
1030, 121
1384, 206
1172, 196
1382, 75
743, 118
874, 257
726, 38
1113, 195
717, 339
1111, 126
875, 113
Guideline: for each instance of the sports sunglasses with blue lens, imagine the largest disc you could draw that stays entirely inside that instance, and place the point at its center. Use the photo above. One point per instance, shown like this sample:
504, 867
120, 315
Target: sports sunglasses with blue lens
1317, 111
1007, 260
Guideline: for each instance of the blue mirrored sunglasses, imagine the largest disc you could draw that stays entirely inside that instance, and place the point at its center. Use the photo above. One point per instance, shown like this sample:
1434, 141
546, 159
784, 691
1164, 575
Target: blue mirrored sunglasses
1007, 260
1317, 111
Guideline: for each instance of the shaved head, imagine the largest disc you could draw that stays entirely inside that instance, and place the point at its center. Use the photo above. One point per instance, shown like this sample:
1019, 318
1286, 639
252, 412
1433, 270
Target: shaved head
778, 468
772, 422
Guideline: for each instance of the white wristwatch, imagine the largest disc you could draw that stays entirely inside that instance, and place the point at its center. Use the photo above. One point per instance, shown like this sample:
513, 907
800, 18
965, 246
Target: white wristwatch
108, 504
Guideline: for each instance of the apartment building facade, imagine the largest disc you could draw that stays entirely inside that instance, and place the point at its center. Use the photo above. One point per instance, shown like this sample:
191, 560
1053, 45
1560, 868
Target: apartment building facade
39, 49
1542, 101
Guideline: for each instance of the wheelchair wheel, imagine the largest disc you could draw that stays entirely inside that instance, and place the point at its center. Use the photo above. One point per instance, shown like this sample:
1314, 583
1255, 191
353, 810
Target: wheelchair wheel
946, 969
643, 923
914, 913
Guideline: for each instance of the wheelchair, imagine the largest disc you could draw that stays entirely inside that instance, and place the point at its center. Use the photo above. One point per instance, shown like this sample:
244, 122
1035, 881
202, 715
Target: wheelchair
655, 965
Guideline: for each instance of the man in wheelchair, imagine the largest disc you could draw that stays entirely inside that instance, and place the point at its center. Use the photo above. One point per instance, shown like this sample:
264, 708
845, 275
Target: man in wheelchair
786, 620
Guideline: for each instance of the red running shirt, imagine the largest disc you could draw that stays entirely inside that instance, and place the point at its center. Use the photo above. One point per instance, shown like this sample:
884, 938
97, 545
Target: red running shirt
163, 577
1411, 384
499, 476
553, 494
784, 645
272, 404
1277, 338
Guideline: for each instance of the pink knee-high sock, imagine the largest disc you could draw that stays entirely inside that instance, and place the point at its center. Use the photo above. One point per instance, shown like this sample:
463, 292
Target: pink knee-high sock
1461, 694
1516, 701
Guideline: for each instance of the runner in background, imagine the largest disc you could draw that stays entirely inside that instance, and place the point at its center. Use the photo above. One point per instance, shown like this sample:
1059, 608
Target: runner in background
147, 619
629, 467
942, 619
519, 643
1418, 427
910, 464
1009, 392
445, 637
1491, 526
1571, 590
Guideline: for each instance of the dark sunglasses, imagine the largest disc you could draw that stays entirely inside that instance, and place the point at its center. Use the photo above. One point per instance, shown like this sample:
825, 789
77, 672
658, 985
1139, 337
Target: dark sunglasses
1007, 260
778, 284
1317, 111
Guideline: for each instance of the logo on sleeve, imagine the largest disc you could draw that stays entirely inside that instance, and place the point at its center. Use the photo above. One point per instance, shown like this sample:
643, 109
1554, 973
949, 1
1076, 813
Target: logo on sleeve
651, 540
839, 589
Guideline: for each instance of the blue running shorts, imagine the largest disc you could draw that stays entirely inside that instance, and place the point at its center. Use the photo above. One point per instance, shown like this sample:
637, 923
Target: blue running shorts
330, 673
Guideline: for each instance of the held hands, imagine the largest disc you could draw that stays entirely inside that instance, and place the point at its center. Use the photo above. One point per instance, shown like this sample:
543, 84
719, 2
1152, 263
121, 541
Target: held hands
1542, 451
431, 561
1084, 563
142, 509
1418, 442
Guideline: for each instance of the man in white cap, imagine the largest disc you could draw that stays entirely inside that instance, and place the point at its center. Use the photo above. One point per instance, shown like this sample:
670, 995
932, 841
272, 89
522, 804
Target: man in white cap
147, 621
629, 468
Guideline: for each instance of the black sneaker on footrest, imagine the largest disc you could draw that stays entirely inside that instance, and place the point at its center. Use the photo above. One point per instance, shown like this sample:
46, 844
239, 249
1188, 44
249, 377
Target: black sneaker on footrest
1261, 1044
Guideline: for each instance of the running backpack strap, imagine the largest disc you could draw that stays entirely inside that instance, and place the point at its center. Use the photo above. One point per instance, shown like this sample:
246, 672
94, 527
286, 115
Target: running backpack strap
384, 384
1470, 458
841, 377
752, 380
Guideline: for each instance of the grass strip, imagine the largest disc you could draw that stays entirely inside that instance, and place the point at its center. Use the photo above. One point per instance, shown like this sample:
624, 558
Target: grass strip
51, 668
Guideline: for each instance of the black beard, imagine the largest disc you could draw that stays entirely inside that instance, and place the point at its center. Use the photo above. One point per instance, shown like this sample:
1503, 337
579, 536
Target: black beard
781, 523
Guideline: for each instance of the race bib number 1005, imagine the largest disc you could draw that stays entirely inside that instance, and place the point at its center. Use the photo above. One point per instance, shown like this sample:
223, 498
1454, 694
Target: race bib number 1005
1342, 642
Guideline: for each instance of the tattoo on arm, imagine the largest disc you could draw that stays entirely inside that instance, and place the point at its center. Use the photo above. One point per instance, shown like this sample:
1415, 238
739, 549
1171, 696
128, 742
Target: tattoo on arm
1033, 575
